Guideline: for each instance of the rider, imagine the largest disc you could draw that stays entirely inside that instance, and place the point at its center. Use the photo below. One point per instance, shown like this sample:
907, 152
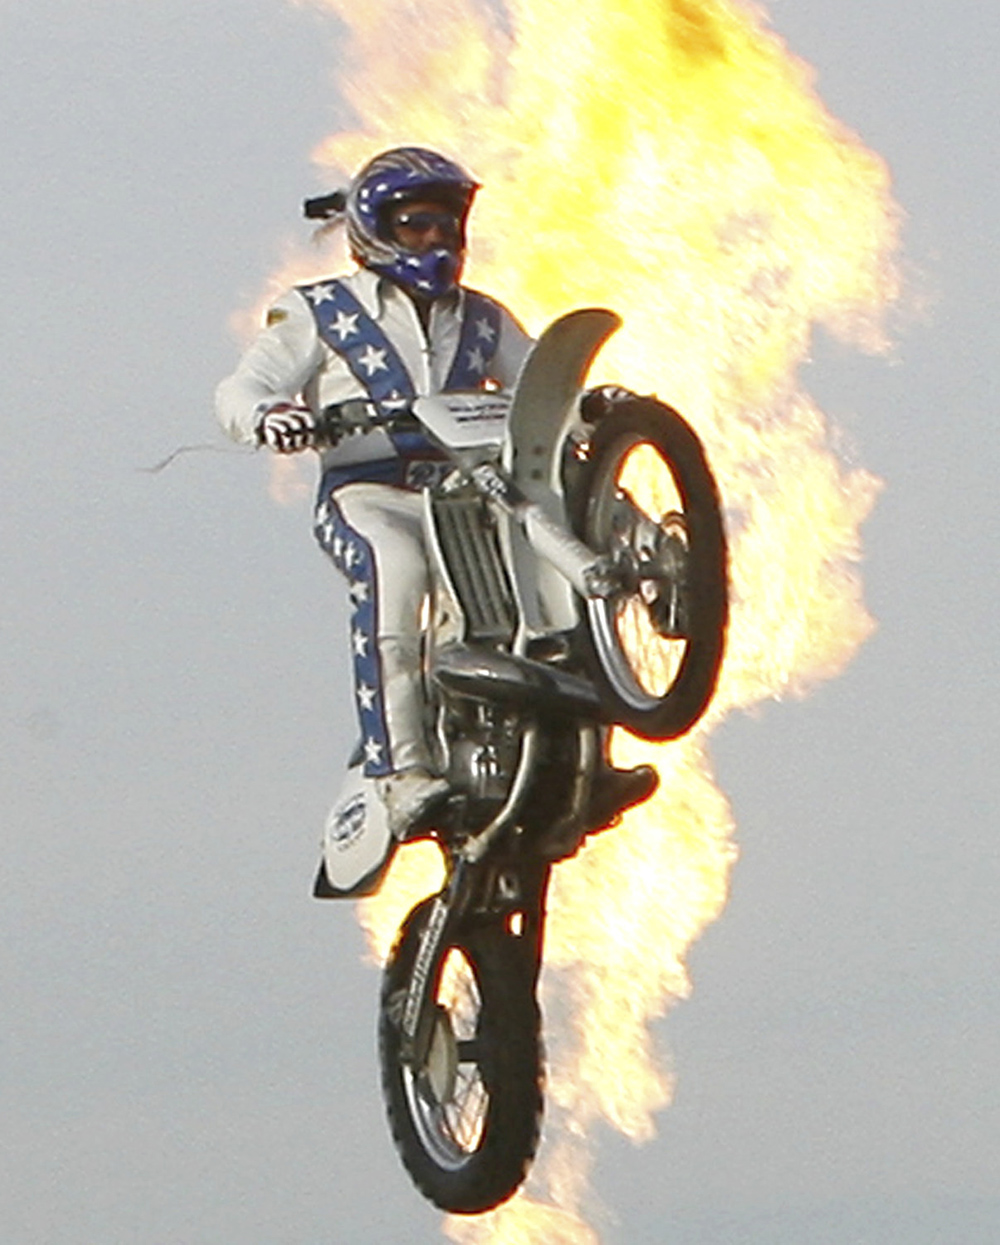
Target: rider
399, 327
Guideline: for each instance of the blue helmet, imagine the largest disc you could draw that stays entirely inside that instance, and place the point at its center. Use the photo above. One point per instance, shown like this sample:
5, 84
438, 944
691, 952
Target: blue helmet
403, 175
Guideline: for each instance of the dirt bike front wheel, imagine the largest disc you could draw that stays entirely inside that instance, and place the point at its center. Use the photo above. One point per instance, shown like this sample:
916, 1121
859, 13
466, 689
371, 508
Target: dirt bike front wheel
466, 1116
647, 499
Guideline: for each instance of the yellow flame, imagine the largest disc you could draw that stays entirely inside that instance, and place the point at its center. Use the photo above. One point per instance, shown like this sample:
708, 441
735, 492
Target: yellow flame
671, 160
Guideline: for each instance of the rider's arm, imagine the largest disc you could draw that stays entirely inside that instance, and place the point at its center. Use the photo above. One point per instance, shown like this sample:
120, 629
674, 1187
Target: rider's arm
275, 368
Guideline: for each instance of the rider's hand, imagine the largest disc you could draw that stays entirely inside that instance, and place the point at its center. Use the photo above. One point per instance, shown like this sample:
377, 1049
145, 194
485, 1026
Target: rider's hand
599, 402
286, 429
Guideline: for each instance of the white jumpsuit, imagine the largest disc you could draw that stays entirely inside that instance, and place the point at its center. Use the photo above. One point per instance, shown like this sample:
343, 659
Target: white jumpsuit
368, 512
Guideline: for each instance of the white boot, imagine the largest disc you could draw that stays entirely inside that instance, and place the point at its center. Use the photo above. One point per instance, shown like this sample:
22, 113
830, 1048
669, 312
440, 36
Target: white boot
356, 838
408, 797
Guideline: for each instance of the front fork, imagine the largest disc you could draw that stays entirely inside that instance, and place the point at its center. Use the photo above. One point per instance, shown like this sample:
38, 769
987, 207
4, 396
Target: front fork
494, 898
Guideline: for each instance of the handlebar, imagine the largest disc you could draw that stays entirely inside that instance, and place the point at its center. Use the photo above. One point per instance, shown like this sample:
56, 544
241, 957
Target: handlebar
356, 415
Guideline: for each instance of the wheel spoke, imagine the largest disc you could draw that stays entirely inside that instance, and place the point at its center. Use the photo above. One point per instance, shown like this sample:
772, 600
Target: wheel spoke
468, 1110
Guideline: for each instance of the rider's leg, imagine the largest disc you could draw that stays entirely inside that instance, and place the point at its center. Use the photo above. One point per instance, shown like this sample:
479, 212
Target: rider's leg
373, 534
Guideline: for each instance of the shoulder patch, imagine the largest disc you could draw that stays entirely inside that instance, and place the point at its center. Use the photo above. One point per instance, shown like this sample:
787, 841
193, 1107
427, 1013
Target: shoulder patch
275, 315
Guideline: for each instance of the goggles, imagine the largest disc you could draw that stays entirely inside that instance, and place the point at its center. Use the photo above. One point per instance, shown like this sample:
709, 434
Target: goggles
423, 222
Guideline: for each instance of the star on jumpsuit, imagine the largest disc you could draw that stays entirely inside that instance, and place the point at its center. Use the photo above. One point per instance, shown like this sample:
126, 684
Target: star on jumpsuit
345, 325
359, 642
366, 697
373, 752
373, 360
321, 294
394, 402
484, 330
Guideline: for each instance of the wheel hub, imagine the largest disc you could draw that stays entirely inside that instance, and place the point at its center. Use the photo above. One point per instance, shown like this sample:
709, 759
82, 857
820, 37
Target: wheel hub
650, 560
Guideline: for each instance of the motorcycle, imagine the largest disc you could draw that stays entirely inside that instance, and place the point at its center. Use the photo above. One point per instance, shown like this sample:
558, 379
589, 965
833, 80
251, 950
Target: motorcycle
578, 583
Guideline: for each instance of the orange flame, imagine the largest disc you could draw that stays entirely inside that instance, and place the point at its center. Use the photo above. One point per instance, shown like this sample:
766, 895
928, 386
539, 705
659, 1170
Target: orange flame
668, 159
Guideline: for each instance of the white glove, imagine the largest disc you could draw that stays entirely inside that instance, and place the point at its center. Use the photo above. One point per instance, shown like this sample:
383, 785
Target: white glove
286, 429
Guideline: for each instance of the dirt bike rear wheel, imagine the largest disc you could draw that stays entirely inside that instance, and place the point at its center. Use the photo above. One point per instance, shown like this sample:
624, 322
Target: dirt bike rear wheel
647, 498
466, 1122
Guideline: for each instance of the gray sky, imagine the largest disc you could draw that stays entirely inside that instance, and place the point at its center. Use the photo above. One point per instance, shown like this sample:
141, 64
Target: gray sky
188, 1047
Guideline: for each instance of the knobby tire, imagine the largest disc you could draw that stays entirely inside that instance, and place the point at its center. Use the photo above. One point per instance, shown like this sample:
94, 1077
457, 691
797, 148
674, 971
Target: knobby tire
646, 421
508, 1060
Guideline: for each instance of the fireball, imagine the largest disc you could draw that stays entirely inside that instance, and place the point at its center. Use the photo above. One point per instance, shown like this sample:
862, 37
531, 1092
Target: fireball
671, 160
